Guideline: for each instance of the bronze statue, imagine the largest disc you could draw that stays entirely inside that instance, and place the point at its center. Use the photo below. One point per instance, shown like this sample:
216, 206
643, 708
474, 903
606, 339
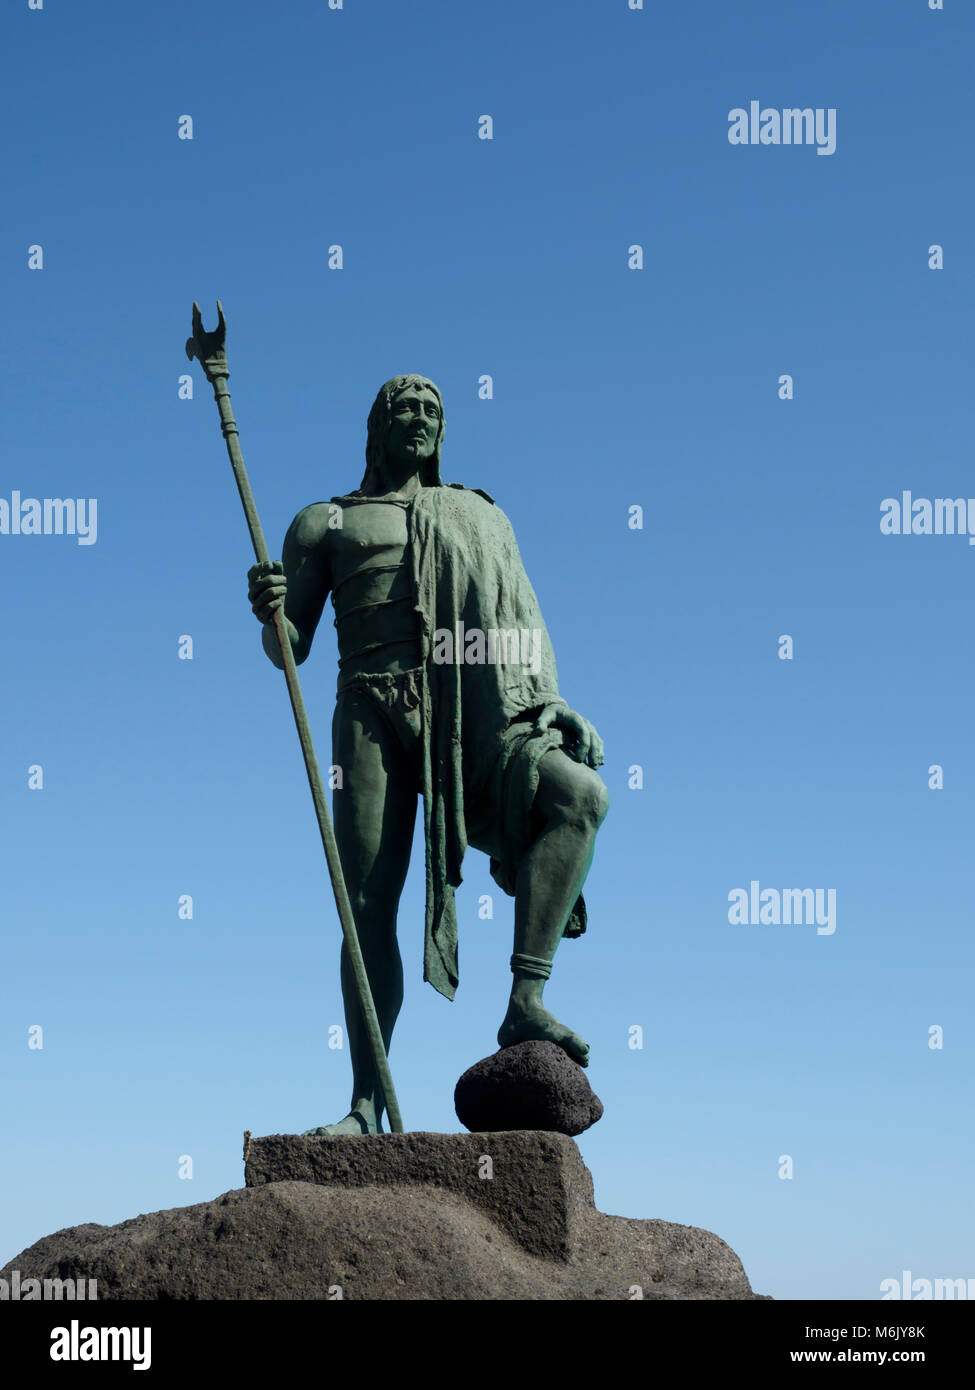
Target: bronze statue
423, 578
447, 688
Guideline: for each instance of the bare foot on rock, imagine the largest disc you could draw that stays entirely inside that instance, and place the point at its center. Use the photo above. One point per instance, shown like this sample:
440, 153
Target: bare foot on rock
354, 1123
533, 1023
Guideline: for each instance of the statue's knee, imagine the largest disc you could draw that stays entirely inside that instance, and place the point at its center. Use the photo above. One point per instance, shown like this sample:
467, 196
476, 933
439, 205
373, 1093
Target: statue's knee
590, 802
601, 799
375, 914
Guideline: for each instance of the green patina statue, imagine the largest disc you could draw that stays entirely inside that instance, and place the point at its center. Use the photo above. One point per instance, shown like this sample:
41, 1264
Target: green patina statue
447, 688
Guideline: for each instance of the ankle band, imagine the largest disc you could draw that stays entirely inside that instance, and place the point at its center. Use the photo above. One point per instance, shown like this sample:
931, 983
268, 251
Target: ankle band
535, 967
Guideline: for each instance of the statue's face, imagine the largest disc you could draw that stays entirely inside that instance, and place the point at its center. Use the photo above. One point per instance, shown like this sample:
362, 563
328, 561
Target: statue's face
414, 424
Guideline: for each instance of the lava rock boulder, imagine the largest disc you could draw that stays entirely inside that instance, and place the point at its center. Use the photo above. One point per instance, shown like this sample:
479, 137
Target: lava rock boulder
532, 1085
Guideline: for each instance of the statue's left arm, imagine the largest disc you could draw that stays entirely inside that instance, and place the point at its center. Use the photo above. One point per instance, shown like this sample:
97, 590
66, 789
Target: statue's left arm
582, 742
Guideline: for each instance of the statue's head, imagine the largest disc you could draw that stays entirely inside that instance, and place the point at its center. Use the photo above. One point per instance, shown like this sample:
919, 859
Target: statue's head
407, 416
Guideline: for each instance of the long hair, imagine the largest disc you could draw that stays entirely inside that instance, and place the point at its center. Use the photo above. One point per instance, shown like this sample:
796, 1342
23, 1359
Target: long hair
378, 424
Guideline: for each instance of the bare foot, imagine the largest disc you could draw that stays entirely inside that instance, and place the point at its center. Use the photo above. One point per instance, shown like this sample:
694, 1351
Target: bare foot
532, 1023
354, 1123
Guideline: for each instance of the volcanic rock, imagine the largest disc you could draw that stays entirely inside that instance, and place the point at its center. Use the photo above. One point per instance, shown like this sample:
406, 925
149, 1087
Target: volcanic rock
397, 1216
532, 1085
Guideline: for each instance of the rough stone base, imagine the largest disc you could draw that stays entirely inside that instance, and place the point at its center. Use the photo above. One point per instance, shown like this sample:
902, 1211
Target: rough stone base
397, 1216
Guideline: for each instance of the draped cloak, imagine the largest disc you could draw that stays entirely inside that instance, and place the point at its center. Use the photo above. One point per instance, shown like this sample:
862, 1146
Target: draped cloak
480, 753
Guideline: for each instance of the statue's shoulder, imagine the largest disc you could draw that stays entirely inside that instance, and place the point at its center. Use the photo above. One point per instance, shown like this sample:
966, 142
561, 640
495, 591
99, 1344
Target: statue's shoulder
313, 522
479, 506
478, 490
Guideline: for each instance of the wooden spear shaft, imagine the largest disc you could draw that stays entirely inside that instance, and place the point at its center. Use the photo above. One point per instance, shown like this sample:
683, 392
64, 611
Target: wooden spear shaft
210, 350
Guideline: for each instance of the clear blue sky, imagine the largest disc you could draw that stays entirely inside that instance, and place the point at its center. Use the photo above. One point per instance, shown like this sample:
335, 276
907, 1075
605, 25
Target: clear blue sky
612, 388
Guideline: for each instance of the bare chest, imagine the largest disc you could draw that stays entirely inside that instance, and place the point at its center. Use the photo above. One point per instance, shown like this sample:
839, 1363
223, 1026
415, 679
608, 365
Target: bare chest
372, 534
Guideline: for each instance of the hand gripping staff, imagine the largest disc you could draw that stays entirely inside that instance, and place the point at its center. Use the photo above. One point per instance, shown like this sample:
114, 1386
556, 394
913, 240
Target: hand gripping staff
209, 349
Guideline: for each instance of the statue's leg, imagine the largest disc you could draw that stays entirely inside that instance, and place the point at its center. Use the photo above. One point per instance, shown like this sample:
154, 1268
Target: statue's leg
569, 807
374, 812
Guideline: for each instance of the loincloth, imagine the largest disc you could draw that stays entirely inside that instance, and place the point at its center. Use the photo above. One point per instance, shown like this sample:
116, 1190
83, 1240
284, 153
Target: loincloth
398, 700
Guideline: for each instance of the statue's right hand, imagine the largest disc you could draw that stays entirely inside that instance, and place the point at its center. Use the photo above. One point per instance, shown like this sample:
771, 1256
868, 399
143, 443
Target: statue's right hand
266, 589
